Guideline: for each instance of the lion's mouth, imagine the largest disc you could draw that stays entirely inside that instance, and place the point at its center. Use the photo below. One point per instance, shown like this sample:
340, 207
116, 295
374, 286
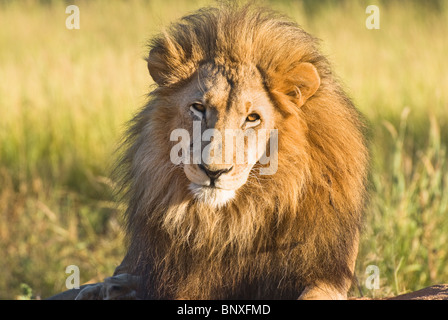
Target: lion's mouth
211, 195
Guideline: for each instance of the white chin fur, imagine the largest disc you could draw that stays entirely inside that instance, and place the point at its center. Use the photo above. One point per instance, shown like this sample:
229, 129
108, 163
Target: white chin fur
213, 197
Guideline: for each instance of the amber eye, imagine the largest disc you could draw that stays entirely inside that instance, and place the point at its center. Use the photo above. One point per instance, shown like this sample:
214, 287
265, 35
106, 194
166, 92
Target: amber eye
253, 117
198, 107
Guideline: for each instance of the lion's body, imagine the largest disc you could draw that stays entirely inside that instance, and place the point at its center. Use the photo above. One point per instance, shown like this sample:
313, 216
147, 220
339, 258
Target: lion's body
280, 234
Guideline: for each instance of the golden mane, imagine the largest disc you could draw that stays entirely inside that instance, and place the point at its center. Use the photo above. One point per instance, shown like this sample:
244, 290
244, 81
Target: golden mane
288, 229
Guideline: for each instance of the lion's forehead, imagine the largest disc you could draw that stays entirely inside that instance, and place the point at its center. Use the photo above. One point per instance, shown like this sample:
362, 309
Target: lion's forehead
231, 90
235, 72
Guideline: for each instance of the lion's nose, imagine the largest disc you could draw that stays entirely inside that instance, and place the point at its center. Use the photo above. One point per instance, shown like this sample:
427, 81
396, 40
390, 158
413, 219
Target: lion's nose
214, 174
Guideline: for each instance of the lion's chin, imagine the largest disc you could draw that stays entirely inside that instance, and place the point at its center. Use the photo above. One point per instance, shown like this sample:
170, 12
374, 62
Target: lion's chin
211, 196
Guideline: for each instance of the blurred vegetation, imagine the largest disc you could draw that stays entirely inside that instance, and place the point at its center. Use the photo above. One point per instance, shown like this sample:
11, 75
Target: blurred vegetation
65, 96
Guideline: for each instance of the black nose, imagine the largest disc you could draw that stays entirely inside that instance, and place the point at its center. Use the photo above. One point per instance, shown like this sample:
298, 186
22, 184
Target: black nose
214, 174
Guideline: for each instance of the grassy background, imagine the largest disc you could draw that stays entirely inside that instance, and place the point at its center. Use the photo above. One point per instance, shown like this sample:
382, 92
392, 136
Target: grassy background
65, 96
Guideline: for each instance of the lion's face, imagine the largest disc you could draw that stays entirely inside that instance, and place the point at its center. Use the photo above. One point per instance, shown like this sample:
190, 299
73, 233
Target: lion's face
229, 120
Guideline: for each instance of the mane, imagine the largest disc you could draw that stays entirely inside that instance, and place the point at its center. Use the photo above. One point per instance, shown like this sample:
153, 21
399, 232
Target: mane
319, 186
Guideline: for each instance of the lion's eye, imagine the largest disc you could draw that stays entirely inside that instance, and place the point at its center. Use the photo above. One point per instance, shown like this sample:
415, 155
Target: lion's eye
253, 117
198, 107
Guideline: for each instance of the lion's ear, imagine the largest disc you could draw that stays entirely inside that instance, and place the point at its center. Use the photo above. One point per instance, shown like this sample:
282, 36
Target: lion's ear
301, 83
157, 66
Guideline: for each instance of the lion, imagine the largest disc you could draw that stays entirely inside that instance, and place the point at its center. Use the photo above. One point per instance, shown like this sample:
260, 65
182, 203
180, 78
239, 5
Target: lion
215, 229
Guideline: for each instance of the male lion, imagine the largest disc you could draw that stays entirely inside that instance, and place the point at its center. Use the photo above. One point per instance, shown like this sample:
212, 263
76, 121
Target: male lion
220, 229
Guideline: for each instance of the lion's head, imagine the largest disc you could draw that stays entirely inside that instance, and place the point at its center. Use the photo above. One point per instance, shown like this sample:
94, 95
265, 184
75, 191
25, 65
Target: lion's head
234, 96
196, 209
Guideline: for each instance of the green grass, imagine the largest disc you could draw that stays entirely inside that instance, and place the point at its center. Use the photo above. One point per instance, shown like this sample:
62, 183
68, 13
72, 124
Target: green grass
65, 96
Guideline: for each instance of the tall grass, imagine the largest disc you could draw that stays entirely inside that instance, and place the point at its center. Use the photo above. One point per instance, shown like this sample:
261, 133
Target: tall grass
65, 96
407, 221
